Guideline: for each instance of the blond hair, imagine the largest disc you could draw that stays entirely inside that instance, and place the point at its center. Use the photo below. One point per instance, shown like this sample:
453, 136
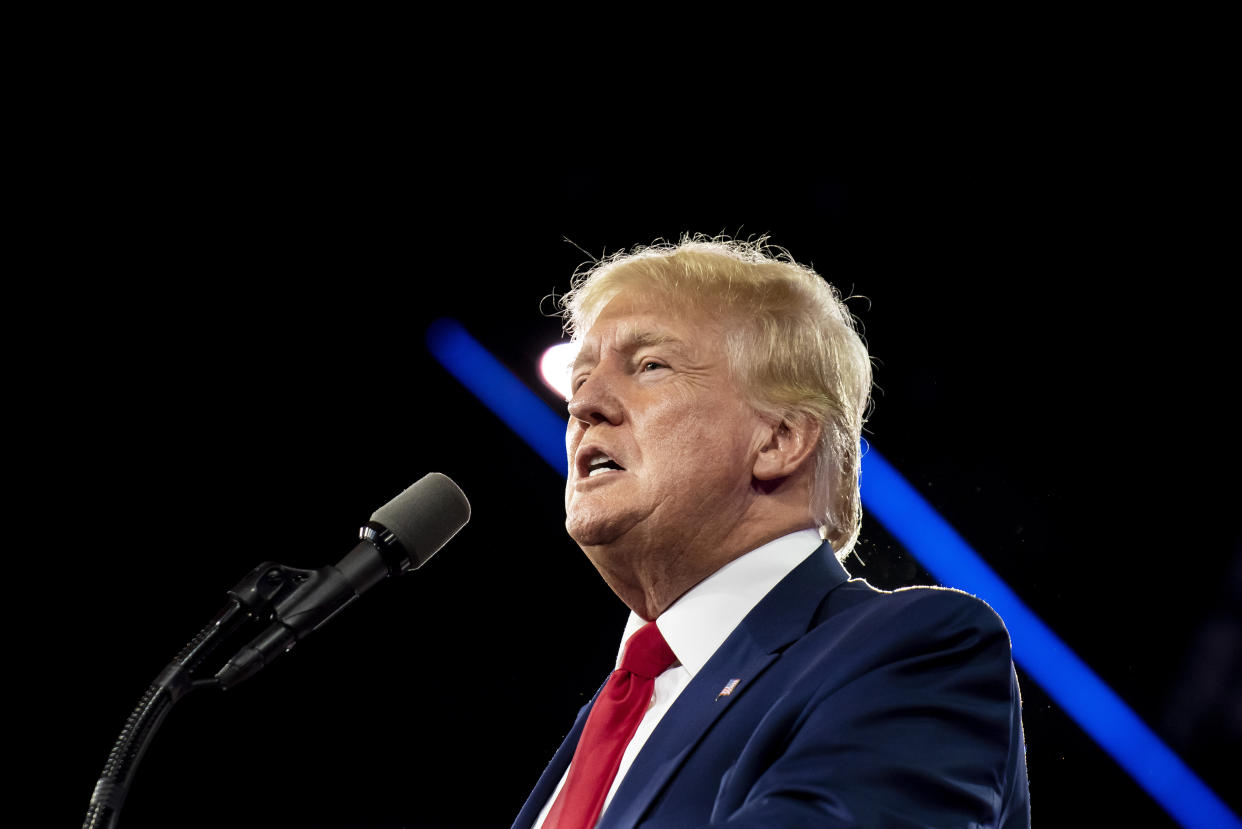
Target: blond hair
792, 344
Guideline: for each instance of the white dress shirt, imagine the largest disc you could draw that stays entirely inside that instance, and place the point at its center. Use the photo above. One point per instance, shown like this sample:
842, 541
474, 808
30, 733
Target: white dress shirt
697, 624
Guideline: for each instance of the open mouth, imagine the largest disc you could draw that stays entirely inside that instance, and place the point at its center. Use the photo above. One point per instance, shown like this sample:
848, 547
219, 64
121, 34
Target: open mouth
599, 463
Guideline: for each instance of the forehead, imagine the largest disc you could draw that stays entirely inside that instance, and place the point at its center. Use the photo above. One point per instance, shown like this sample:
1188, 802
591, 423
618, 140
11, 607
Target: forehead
632, 321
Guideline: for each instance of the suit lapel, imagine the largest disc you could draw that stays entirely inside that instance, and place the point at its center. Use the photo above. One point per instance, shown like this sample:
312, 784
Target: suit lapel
554, 772
779, 619
694, 711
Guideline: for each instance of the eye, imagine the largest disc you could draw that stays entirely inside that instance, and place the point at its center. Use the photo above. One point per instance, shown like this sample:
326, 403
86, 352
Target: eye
652, 365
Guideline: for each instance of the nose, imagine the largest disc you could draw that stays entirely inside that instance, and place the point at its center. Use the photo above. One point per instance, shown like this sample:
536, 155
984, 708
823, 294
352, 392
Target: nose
595, 401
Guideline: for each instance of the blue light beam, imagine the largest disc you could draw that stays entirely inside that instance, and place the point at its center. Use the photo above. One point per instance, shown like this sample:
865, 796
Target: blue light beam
499, 390
891, 499
1084, 696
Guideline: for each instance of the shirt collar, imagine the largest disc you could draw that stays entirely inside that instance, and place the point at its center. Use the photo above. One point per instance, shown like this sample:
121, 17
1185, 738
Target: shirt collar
697, 624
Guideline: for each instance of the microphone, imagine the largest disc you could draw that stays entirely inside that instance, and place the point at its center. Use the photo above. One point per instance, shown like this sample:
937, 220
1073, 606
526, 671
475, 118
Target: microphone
401, 535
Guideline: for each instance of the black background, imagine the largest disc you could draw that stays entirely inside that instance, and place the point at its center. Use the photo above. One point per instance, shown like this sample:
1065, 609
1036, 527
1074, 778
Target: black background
219, 359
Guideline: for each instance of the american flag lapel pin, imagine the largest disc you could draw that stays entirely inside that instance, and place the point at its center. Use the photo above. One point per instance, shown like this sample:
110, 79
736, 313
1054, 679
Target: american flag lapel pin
728, 689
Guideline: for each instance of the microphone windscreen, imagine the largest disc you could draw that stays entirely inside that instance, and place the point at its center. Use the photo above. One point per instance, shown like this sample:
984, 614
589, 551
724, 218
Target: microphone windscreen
425, 516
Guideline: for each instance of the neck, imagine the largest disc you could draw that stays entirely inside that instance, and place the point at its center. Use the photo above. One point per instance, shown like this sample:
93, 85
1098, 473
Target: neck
649, 577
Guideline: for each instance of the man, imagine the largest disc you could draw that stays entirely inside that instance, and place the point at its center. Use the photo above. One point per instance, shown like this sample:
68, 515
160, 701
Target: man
714, 425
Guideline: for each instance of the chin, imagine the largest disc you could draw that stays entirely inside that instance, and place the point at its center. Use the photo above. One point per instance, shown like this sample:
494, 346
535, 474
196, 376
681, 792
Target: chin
591, 529
589, 535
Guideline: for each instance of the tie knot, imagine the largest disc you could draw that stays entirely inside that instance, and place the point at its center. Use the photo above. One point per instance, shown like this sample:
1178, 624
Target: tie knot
646, 653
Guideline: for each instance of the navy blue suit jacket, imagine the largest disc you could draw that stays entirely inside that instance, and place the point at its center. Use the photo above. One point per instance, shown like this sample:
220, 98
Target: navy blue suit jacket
853, 707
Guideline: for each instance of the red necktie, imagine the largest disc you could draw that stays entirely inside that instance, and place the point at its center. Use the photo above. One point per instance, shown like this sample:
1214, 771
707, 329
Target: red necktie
612, 722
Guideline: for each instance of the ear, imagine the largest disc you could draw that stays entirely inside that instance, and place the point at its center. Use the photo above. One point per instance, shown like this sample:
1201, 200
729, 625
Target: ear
789, 447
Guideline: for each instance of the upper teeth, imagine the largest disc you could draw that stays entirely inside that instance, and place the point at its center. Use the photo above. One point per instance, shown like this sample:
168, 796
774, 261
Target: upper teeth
597, 464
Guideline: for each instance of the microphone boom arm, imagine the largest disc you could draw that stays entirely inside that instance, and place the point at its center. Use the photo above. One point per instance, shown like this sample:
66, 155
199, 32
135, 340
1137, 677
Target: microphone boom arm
253, 597
401, 535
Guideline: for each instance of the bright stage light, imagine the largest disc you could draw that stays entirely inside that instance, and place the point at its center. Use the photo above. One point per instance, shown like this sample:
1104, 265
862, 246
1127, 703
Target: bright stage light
555, 367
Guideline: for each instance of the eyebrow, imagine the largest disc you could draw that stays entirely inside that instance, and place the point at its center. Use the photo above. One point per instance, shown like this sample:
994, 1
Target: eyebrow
628, 340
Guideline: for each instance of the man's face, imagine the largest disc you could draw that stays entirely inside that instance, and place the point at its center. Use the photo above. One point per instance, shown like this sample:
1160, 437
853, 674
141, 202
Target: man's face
661, 441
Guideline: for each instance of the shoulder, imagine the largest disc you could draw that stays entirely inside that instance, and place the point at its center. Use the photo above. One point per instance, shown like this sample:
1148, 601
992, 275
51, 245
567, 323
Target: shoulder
859, 629
944, 606
894, 703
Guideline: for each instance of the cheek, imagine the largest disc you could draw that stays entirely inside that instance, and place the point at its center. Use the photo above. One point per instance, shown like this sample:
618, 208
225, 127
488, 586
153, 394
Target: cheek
724, 447
699, 450
572, 438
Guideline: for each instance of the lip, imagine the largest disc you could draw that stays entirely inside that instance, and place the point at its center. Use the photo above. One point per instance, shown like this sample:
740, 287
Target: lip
603, 479
583, 456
